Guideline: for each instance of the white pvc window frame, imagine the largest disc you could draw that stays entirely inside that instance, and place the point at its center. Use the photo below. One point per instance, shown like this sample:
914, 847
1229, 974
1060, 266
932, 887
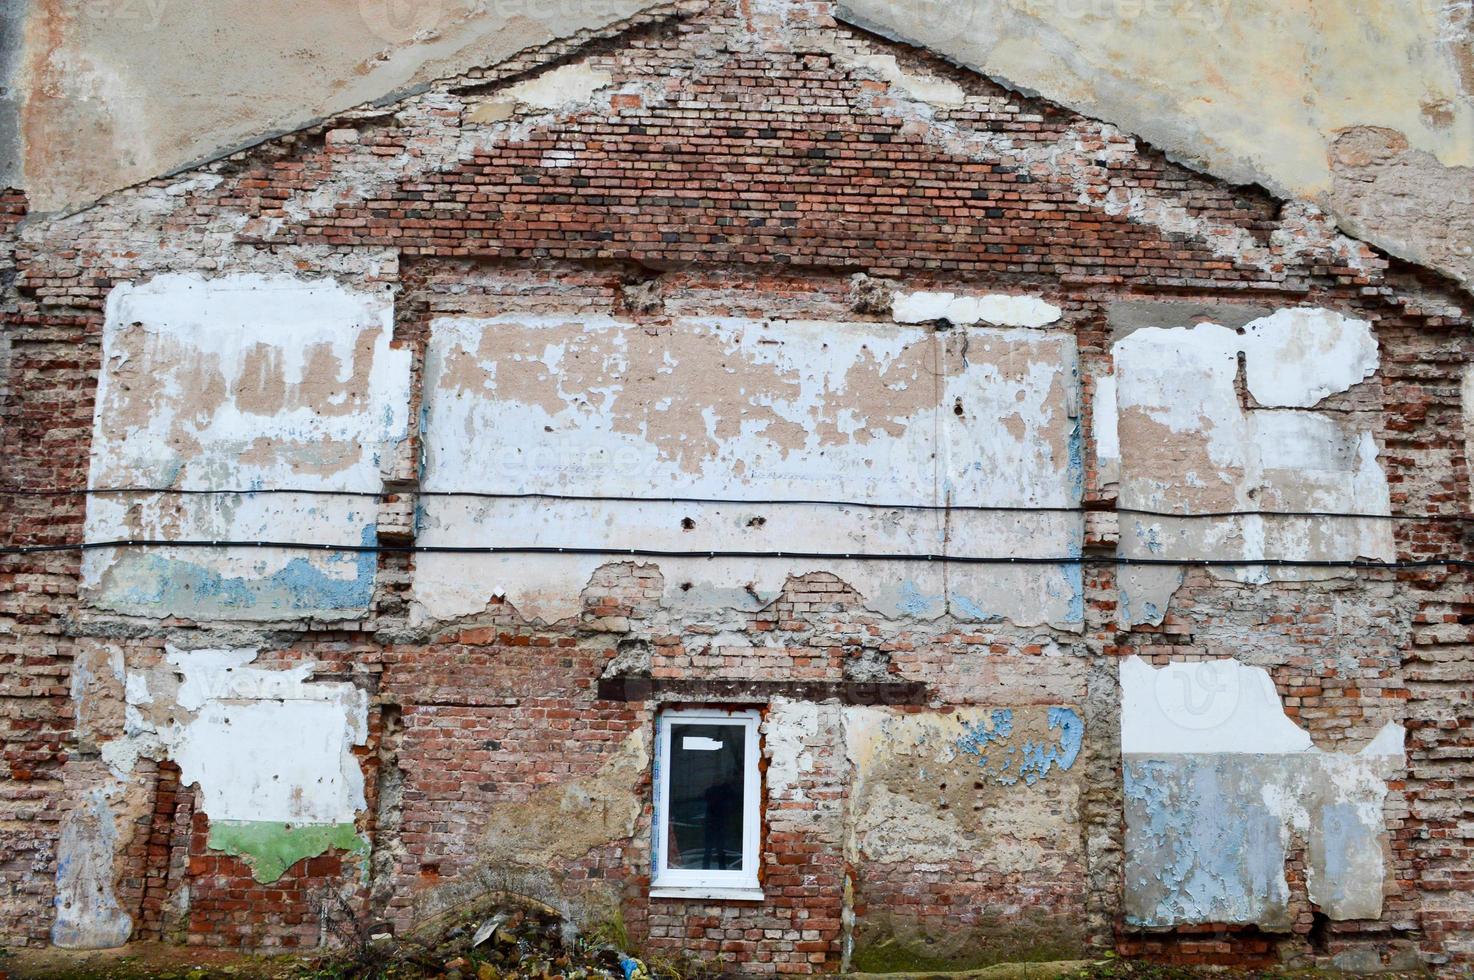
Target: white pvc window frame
666, 882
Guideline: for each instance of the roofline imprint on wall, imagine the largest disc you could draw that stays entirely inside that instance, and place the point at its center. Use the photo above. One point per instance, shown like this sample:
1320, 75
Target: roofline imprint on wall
566, 49
655, 13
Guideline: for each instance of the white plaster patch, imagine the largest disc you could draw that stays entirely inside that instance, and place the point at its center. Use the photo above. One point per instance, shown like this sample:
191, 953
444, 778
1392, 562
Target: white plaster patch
996, 309
264, 745
242, 382
1103, 416
789, 731
1186, 444
740, 409
1219, 707
1204, 706
1297, 357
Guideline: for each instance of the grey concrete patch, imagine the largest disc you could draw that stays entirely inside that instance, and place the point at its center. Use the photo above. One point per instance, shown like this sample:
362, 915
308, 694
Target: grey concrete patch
1127, 316
12, 23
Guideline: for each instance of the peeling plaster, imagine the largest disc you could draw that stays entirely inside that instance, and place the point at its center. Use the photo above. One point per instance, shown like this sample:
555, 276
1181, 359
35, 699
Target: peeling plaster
1187, 444
97, 692
788, 730
995, 784
87, 912
1404, 198
996, 309
928, 88
762, 410
270, 749
561, 89
1219, 783
1296, 357
269, 848
1103, 416
86, 67
249, 382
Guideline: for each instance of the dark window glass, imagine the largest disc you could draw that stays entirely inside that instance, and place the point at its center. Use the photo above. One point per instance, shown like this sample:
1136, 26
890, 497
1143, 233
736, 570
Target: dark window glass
706, 774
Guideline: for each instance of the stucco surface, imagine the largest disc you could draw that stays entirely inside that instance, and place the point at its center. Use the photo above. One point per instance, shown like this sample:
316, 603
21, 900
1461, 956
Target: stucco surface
112, 92
1275, 451
1221, 784
248, 383
784, 414
1254, 91
118, 91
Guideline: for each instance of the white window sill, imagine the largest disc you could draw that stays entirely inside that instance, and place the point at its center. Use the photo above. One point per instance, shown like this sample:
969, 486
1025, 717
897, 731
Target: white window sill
707, 892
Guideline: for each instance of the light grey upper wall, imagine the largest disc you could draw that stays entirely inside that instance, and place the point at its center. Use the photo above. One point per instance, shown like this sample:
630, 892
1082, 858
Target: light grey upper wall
1365, 108
118, 91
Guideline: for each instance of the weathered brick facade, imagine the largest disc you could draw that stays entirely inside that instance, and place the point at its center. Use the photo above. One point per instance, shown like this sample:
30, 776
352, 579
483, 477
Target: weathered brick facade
761, 161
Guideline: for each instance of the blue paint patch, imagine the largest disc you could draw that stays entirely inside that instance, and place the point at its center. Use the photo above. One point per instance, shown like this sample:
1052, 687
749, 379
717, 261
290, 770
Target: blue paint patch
913, 601
1077, 452
1040, 757
1074, 576
1346, 841
300, 587
973, 611
1201, 845
1147, 613
1031, 760
977, 736
1150, 536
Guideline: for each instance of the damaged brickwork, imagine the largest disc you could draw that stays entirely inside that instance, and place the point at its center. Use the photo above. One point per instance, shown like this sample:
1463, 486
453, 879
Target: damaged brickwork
735, 279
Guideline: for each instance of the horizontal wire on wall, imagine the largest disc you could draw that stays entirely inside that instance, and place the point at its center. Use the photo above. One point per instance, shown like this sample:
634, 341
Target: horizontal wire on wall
1106, 560
734, 502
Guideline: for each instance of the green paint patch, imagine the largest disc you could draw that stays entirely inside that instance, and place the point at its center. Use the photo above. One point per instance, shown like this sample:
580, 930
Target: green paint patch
271, 848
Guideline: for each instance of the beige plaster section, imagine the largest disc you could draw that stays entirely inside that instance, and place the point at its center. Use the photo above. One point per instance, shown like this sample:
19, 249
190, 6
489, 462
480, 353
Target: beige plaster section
564, 821
1402, 197
930, 789
560, 88
759, 423
236, 383
1251, 90
1213, 420
113, 91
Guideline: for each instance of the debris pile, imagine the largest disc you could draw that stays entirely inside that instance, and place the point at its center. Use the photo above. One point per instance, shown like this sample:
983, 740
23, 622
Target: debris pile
536, 943
519, 939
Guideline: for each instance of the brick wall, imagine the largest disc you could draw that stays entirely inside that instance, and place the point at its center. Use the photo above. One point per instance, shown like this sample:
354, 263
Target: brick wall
742, 166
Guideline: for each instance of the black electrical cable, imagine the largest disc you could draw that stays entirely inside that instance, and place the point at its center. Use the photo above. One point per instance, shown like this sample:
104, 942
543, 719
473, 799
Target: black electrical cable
799, 555
734, 502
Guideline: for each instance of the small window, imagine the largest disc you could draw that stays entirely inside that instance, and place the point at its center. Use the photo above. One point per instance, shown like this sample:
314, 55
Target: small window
706, 805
